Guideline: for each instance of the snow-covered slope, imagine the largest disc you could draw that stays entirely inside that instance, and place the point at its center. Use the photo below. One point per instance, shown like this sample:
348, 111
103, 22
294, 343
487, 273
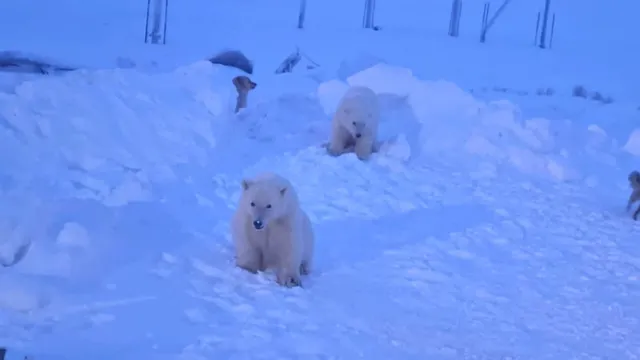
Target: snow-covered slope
491, 224
476, 232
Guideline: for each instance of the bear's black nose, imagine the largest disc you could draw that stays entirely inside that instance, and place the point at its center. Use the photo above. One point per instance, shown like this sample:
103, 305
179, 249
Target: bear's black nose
258, 224
358, 135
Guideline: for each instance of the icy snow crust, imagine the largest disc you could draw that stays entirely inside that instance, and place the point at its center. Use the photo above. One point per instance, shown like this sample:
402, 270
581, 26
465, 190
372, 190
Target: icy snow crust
470, 235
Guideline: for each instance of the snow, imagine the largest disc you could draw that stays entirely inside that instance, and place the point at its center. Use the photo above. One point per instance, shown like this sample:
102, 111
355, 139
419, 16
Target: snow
633, 144
490, 224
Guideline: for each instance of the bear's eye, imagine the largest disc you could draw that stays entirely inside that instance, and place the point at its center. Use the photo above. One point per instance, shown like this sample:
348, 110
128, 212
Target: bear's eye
268, 206
354, 123
253, 204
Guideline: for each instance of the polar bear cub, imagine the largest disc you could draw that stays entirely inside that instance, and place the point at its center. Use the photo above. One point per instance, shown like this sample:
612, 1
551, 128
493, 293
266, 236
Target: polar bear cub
355, 123
271, 231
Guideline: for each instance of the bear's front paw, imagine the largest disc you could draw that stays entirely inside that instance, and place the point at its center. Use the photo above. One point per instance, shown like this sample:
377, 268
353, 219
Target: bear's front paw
363, 156
248, 267
363, 152
349, 149
333, 151
289, 281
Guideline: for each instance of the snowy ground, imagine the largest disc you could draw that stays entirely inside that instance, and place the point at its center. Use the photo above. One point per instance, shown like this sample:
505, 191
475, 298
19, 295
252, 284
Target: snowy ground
490, 226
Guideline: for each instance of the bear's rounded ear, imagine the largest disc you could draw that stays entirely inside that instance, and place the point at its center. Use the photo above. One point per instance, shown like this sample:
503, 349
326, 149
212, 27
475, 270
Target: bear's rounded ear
245, 184
283, 191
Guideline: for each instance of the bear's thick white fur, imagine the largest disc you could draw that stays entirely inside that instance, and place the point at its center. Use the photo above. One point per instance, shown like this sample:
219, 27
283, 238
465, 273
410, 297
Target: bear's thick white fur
284, 241
354, 126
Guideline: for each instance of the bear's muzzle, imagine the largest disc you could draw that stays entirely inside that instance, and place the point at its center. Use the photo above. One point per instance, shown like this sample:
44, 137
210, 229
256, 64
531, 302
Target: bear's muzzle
258, 224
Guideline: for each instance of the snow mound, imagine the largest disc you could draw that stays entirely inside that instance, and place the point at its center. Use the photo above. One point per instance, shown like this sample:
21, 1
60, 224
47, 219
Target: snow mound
80, 123
633, 143
454, 124
329, 95
355, 64
383, 78
112, 151
124, 183
105, 150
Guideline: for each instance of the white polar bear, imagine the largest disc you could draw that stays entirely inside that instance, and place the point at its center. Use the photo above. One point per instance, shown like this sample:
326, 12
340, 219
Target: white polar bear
271, 231
355, 123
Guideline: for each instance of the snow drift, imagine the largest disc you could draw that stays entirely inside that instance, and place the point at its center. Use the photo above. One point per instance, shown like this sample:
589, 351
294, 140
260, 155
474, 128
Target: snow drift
141, 151
105, 170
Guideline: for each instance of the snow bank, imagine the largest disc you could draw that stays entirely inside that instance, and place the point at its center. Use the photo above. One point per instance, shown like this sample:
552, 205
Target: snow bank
125, 160
107, 152
329, 95
455, 125
356, 63
633, 143
106, 121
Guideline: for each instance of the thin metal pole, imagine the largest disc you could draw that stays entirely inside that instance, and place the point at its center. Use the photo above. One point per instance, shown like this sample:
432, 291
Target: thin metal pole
166, 21
553, 26
146, 24
535, 37
545, 19
302, 13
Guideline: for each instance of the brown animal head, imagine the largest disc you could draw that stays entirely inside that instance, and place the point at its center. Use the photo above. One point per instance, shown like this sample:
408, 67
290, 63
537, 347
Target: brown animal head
243, 84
